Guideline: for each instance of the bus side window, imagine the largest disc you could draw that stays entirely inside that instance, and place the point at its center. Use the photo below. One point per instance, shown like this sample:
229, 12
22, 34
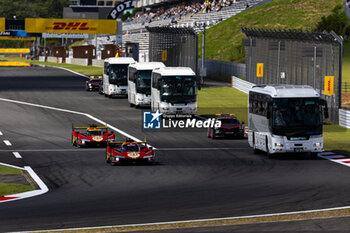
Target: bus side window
106, 68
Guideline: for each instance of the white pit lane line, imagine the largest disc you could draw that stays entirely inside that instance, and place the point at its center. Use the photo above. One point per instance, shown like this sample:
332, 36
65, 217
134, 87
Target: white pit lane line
17, 155
75, 112
7, 143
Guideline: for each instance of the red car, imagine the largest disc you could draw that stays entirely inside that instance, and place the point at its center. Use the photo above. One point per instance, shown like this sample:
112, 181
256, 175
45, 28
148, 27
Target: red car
129, 151
92, 136
93, 84
230, 127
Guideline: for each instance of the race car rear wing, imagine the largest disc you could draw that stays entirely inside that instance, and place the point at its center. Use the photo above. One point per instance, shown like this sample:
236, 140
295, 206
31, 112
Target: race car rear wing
126, 141
91, 126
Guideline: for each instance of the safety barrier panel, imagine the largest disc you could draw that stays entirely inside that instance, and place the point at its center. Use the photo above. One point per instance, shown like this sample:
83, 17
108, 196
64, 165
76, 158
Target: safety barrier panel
78, 61
344, 118
98, 63
241, 85
52, 59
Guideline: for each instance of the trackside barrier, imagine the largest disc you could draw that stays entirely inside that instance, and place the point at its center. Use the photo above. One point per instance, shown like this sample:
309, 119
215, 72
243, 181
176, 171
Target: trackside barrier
241, 85
52, 59
98, 63
344, 118
80, 61
42, 58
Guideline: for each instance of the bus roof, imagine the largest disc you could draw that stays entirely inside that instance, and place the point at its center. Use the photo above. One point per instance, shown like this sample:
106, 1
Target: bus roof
147, 65
286, 91
120, 60
175, 71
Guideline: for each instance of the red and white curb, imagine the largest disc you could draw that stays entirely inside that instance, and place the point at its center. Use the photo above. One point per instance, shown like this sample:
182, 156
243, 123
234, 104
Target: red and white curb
19, 196
337, 158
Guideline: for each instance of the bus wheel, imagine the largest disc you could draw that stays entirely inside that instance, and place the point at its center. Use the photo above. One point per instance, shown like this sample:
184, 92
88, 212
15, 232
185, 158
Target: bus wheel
132, 105
255, 151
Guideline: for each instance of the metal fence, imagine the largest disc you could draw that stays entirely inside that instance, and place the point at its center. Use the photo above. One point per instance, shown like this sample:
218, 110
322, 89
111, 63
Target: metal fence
222, 70
174, 46
295, 57
346, 87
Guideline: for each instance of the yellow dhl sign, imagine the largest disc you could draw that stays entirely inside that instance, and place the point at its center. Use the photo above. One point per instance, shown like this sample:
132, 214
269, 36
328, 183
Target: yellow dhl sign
329, 85
2, 24
260, 70
102, 26
164, 55
16, 38
13, 63
14, 50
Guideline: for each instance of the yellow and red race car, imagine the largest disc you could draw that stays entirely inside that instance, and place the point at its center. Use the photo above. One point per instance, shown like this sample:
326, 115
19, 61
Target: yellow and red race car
92, 136
129, 151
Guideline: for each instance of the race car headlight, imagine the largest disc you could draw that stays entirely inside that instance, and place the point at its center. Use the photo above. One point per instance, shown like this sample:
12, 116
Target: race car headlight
90, 85
318, 144
278, 145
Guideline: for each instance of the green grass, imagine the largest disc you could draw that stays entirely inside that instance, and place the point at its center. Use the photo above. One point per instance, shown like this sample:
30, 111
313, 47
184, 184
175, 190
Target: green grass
224, 41
4, 170
7, 189
86, 70
213, 101
337, 139
346, 62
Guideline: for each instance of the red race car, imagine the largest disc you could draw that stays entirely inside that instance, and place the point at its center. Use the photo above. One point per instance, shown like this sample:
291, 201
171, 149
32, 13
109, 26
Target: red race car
129, 151
92, 136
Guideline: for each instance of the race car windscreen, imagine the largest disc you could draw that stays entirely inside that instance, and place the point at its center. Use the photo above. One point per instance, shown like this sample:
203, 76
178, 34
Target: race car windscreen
94, 132
229, 121
118, 74
130, 148
95, 81
143, 82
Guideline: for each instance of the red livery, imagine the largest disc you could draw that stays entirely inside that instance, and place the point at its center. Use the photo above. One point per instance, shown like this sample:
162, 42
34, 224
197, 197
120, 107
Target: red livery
129, 151
92, 136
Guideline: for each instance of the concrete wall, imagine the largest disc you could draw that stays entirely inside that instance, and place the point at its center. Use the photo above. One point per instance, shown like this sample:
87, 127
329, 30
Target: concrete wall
98, 63
78, 61
52, 59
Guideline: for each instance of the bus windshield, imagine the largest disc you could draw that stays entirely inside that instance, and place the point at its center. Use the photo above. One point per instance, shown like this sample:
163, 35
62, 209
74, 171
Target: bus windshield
178, 86
143, 82
293, 115
118, 74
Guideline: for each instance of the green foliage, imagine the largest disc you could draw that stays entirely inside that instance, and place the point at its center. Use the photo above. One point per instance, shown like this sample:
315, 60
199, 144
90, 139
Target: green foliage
32, 8
132, 14
337, 21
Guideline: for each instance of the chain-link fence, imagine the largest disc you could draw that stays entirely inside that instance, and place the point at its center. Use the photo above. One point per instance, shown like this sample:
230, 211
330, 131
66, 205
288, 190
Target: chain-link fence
173, 46
297, 58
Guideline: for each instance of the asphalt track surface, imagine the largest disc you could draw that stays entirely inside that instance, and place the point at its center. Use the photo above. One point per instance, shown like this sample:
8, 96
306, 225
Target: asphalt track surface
195, 183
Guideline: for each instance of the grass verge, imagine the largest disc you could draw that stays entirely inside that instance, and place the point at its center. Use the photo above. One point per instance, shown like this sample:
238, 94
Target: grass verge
86, 70
8, 188
224, 40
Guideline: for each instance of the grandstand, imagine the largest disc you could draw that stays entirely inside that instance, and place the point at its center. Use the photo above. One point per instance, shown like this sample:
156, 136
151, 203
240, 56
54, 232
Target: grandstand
136, 33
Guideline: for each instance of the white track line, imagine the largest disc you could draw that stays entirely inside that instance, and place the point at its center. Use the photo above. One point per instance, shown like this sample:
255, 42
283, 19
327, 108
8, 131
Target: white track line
73, 112
8, 165
1, 133
7, 143
17, 155
193, 221
42, 188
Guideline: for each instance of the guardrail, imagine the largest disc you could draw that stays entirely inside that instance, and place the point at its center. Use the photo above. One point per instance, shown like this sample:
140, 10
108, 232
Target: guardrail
241, 84
346, 87
344, 118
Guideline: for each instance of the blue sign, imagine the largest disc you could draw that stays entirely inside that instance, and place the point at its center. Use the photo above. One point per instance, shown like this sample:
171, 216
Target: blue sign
152, 120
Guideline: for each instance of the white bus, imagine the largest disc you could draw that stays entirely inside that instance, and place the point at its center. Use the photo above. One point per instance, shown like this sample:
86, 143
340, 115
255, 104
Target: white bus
115, 76
286, 119
139, 82
174, 90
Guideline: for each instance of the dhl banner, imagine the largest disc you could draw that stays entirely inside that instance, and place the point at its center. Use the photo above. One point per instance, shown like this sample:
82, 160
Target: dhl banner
329, 85
260, 70
90, 26
14, 50
16, 38
2, 24
13, 63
